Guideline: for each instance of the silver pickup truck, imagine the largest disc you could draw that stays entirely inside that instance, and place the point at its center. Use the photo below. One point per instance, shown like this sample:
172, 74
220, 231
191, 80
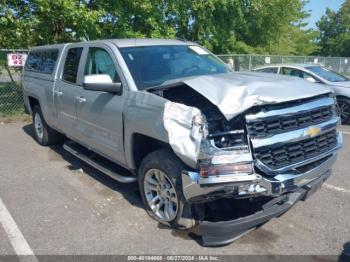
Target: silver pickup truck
213, 150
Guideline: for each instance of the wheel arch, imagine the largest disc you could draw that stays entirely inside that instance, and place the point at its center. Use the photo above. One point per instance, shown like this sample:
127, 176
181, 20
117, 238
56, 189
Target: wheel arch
342, 97
142, 145
33, 101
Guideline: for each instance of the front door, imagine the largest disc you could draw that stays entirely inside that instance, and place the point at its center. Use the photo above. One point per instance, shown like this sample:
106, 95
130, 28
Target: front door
100, 113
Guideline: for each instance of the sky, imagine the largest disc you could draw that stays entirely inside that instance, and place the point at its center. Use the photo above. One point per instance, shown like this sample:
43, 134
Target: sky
318, 8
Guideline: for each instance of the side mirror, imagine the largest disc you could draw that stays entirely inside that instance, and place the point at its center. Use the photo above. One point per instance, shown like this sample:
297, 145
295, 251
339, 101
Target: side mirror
102, 83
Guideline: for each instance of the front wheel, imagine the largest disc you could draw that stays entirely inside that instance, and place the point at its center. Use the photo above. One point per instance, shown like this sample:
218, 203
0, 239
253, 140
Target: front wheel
161, 189
344, 109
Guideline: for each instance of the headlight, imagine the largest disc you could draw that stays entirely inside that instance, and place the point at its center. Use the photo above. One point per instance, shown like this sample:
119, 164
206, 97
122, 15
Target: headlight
199, 129
229, 139
215, 159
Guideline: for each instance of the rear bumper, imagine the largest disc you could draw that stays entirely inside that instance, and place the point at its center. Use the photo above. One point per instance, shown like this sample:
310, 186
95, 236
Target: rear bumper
224, 232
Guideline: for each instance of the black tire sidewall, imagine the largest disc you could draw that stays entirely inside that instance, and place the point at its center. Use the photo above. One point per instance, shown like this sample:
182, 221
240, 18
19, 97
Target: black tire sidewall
44, 140
344, 101
167, 162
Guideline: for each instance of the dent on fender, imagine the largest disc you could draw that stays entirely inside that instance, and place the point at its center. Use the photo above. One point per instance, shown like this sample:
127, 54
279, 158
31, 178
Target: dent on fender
166, 121
184, 133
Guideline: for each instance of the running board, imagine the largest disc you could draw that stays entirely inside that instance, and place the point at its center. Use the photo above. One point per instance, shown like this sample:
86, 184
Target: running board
100, 163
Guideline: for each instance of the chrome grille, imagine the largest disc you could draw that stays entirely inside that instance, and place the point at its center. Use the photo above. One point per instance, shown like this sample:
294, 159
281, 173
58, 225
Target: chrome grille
287, 136
291, 153
279, 124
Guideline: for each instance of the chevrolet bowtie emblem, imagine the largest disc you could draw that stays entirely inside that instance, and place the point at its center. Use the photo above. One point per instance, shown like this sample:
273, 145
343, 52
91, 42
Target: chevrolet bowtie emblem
313, 131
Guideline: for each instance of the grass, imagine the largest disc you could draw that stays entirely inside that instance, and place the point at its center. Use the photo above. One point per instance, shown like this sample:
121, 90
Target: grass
19, 117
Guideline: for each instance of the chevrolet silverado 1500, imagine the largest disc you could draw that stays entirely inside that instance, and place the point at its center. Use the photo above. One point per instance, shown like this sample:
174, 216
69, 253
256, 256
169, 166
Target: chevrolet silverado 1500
220, 151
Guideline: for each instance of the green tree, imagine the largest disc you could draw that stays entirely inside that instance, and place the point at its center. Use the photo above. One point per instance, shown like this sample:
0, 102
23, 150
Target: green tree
335, 31
223, 26
137, 18
245, 26
15, 24
60, 21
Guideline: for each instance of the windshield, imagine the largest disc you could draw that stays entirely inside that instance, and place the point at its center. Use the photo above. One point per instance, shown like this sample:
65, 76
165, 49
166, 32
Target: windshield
327, 74
153, 65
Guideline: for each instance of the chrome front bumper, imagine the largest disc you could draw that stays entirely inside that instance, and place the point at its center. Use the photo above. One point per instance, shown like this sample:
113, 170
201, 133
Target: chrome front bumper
196, 188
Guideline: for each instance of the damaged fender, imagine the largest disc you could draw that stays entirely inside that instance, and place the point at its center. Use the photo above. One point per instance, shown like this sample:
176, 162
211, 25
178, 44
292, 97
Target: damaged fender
186, 129
168, 122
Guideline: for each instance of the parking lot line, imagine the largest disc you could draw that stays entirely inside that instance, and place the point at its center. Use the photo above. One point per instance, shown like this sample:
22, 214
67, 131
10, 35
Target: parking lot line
346, 133
339, 189
14, 234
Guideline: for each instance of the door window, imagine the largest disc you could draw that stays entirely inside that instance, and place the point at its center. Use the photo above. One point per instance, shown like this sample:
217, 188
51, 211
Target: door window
272, 70
292, 72
298, 73
100, 62
71, 64
42, 61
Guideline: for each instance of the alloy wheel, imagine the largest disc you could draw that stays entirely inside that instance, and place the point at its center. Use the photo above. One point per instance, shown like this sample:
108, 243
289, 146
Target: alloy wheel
344, 110
160, 194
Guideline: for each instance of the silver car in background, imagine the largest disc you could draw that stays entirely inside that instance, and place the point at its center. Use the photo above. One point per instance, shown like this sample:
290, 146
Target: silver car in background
317, 74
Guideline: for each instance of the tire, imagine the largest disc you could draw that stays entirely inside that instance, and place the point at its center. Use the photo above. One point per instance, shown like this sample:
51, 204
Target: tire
171, 166
344, 109
43, 134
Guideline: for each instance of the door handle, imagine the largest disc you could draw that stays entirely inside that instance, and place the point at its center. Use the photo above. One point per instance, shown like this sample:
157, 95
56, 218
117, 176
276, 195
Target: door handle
58, 93
81, 99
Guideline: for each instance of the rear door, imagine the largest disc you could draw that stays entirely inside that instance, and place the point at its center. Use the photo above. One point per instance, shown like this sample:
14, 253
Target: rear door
100, 119
67, 89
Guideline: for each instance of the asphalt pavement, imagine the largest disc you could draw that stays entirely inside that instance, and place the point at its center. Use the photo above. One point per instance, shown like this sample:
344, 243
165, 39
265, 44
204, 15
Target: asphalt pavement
62, 206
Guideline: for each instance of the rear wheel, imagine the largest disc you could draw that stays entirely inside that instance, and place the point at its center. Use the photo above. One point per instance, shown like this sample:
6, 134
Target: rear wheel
43, 134
161, 189
344, 109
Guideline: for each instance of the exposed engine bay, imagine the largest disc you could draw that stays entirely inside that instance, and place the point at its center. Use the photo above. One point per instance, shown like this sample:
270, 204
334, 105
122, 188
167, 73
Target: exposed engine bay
222, 133
201, 135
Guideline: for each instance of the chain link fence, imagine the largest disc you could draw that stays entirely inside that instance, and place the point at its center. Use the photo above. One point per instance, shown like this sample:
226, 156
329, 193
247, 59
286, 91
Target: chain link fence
248, 62
11, 101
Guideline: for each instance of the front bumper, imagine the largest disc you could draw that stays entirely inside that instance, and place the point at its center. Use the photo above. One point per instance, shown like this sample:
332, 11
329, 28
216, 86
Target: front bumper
284, 190
198, 189
221, 233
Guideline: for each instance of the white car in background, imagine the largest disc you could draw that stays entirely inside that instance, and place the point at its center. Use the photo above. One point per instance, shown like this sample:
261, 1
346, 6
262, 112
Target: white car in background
317, 74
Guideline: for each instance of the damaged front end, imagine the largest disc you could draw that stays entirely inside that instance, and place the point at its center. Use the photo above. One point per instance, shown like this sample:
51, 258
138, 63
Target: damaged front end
219, 158
225, 168
266, 161
255, 144
274, 146
281, 155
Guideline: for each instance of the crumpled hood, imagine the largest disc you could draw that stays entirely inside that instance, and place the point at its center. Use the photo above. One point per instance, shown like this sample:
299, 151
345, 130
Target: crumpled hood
234, 93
